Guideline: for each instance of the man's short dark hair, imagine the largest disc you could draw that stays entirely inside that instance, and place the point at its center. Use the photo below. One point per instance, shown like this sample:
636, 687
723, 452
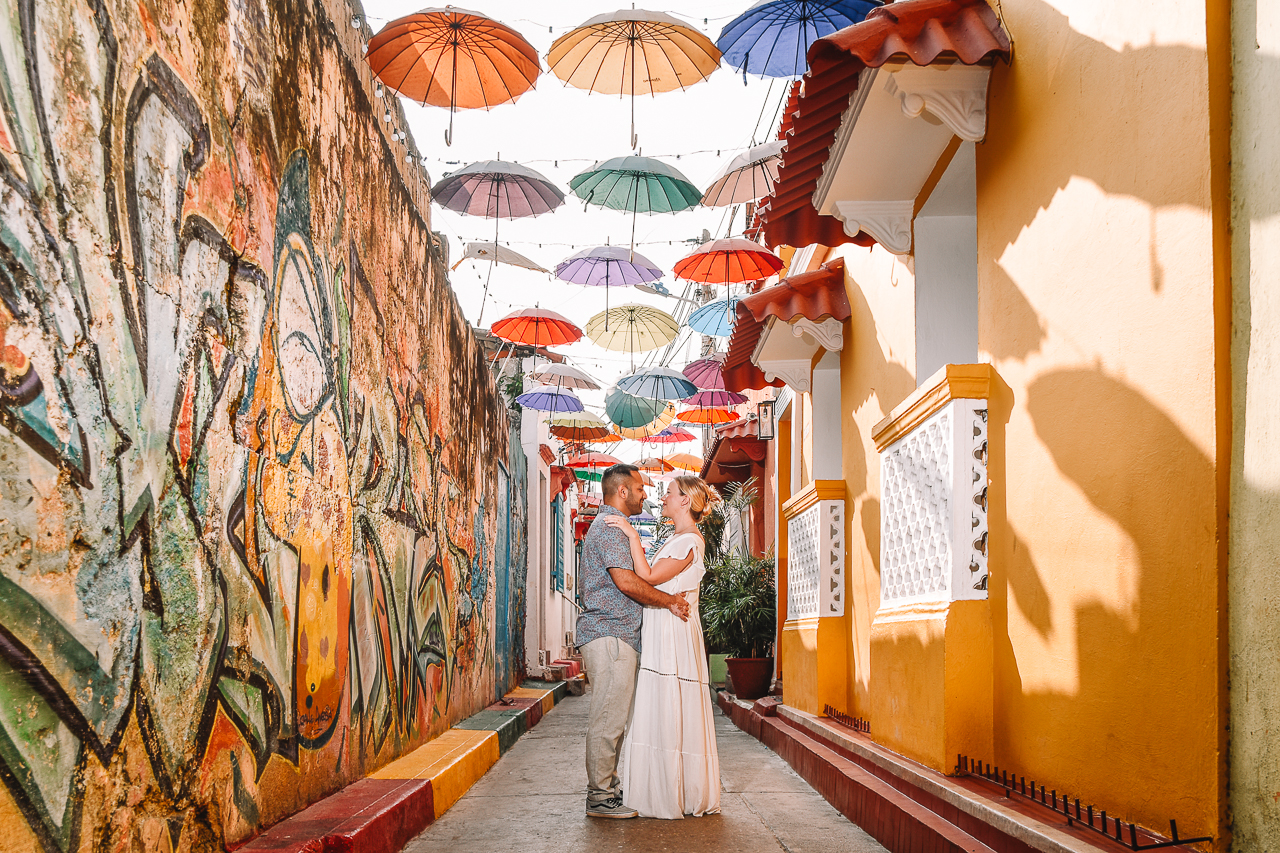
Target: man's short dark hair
616, 476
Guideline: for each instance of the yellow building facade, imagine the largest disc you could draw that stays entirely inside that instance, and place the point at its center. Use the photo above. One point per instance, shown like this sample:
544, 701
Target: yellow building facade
1024, 423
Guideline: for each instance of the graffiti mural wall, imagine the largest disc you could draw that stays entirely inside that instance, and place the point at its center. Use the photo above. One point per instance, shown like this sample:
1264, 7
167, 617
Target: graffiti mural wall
250, 454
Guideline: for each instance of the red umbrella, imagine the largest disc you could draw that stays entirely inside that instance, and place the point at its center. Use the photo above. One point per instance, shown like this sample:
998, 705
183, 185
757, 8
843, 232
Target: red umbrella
536, 327
592, 460
729, 261
670, 436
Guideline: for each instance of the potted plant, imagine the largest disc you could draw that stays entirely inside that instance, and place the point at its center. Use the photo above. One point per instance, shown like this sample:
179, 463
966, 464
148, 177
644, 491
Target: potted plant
738, 601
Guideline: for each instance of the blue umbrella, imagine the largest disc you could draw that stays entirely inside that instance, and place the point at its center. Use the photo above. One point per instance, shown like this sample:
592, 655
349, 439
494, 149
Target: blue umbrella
715, 318
658, 383
550, 398
772, 38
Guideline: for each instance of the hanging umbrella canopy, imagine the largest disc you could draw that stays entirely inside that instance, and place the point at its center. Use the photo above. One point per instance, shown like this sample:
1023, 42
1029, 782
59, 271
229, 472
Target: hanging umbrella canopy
564, 376
636, 184
629, 411
670, 435
715, 318
453, 58
592, 460
657, 425
717, 398
633, 52
611, 438
608, 266
497, 189
684, 461
642, 518
747, 177
654, 465
547, 398
499, 255
632, 328
536, 327
658, 383
729, 261
772, 38
707, 416
582, 426
706, 372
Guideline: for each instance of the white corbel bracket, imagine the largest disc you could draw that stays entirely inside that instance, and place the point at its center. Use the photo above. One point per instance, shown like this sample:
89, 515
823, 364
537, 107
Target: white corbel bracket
829, 334
796, 372
955, 94
889, 222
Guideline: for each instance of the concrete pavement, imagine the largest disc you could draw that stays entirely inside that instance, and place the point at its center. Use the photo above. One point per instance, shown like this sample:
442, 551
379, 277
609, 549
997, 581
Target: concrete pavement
533, 800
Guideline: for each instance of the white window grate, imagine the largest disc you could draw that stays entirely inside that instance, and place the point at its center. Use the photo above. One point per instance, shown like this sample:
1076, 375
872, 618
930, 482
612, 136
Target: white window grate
803, 565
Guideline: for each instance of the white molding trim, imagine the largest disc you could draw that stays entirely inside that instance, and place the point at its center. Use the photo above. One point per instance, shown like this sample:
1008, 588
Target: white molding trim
955, 94
889, 222
866, 80
796, 372
829, 333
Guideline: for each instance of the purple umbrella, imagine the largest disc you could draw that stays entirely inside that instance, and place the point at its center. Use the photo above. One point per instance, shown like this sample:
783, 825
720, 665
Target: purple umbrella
707, 373
608, 266
716, 399
496, 189
549, 398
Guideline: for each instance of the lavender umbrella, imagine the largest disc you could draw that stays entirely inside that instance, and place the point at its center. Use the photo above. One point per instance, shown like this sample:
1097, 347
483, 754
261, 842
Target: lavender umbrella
548, 398
608, 266
496, 189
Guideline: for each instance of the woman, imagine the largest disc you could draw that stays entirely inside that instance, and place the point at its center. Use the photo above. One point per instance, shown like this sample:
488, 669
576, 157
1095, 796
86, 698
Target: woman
670, 767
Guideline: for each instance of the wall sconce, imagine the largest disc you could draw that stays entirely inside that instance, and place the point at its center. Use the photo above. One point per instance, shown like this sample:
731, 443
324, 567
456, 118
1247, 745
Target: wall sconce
764, 420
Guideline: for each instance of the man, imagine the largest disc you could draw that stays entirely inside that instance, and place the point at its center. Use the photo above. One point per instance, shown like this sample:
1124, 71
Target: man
609, 635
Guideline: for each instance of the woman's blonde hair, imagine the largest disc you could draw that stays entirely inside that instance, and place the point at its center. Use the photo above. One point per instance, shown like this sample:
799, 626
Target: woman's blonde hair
702, 498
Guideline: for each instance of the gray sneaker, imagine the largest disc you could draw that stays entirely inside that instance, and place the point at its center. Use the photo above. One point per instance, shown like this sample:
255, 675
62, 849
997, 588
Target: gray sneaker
611, 808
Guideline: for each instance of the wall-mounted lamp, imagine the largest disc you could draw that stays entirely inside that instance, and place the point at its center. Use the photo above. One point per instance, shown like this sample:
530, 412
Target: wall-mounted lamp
764, 420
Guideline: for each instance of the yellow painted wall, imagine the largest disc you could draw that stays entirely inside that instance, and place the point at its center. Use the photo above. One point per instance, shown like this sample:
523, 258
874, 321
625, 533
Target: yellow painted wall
1100, 304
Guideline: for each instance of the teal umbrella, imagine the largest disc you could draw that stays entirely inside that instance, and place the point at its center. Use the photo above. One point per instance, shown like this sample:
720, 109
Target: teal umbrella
637, 184
629, 411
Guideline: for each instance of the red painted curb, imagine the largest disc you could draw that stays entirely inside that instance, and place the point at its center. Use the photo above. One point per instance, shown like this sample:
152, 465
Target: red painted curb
368, 815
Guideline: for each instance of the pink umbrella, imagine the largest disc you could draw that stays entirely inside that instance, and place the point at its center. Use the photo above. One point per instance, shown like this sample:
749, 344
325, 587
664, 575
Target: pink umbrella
670, 435
707, 373
716, 398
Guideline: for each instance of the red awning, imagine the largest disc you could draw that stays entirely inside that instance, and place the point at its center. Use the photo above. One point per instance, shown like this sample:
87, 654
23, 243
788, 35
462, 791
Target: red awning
921, 31
562, 480
815, 295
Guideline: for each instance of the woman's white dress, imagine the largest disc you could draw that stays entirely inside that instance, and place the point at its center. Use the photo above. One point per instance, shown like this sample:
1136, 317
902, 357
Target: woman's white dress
670, 767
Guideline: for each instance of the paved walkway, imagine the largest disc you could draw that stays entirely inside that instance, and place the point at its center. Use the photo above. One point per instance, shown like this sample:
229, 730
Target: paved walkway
533, 800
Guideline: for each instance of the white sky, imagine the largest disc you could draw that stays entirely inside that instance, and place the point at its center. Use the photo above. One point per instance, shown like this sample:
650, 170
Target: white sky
560, 131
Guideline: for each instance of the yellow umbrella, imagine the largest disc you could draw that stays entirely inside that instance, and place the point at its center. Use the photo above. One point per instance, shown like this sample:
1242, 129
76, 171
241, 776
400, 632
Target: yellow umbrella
687, 461
632, 328
658, 424
633, 52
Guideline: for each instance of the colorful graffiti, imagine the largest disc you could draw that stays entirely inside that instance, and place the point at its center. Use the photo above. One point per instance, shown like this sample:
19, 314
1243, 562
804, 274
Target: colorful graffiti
250, 454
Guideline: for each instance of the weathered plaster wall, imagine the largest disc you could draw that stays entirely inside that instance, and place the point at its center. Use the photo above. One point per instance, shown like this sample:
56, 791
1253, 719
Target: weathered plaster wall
1101, 276
1255, 463
249, 449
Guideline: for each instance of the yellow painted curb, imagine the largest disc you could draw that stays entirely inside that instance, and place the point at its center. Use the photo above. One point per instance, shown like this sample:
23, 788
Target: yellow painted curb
453, 762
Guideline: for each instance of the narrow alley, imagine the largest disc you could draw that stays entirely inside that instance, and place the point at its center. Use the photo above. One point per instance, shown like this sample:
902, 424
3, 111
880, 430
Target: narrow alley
538, 787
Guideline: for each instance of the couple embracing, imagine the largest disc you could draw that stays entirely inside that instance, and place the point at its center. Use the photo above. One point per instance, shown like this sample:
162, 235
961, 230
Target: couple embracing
641, 644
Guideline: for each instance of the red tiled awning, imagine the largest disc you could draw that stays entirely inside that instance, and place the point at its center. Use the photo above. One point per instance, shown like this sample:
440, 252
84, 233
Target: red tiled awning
814, 295
921, 31
562, 479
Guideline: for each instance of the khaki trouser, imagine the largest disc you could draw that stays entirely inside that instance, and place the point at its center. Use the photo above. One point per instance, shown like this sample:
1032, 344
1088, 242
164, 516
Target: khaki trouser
611, 667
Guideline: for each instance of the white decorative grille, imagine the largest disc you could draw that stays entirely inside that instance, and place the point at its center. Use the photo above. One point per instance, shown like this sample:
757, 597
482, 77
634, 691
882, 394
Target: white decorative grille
933, 535
815, 565
803, 567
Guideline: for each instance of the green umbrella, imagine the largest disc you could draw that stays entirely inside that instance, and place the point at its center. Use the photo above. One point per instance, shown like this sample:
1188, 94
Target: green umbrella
637, 184
629, 411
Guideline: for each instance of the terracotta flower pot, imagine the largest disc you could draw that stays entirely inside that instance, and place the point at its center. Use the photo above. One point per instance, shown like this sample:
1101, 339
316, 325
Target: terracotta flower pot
751, 677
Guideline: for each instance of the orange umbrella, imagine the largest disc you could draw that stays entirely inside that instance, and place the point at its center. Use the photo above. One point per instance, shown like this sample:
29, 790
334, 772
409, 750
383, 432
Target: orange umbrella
579, 427
654, 465
729, 261
686, 461
661, 422
453, 58
536, 327
611, 438
707, 415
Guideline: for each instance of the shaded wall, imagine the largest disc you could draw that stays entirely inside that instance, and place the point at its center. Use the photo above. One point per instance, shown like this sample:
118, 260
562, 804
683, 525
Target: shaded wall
1255, 462
248, 447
